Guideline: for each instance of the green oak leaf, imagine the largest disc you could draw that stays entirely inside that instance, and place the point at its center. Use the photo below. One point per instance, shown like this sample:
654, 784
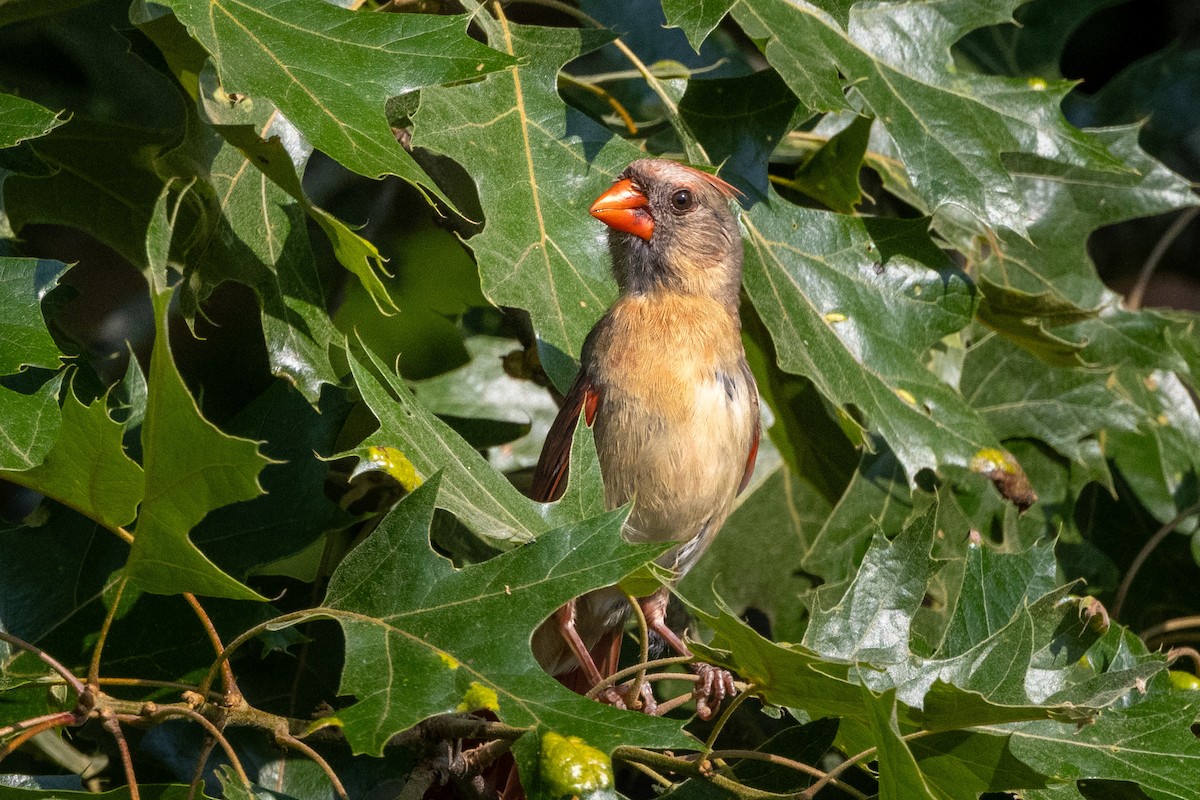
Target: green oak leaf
330, 70
854, 308
1150, 743
870, 620
22, 119
995, 586
191, 467
537, 167
951, 127
1065, 204
31, 424
878, 496
831, 174
739, 121
899, 774
1161, 458
696, 18
24, 339
87, 468
258, 236
1027, 318
294, 511
473, 491
1023, 396
423, 637
103, 163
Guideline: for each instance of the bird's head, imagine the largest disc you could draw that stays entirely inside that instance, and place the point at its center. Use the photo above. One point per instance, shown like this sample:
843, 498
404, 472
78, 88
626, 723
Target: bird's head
671, 228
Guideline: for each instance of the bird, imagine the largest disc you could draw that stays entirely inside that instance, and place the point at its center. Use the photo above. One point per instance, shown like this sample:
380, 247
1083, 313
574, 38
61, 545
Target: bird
672, 404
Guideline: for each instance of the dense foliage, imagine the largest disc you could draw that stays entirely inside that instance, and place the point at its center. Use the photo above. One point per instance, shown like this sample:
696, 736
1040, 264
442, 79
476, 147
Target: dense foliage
261, 400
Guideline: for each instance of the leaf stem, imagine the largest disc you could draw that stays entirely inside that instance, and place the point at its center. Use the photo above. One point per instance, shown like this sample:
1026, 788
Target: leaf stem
726, 714
1170, 626
621, 675
695, 151
1133, 300
1143, 554
72, 681
286, 739
94, 668
695, 769
113, 726
781, 761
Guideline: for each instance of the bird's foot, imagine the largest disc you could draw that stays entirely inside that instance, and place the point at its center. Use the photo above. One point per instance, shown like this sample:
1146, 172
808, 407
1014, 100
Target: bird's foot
715, 685
625, 698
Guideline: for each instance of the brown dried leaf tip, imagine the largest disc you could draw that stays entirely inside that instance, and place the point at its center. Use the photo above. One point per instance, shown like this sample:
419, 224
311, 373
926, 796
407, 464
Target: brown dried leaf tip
1006, 475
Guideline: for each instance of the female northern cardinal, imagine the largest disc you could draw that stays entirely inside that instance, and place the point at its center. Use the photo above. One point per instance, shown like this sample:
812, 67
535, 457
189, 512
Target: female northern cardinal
665, 386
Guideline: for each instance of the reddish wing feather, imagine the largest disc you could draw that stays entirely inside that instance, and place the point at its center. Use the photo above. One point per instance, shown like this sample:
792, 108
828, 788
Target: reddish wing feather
752, 456
550, 477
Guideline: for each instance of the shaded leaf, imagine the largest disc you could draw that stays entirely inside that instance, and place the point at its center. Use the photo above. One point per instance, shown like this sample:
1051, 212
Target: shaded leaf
31, 424
22, 119
24, 340
1023, 396
950, 127
870, 621
420, 634
775, 521
87, 468
831, 174
858, 330
696, 18
481, 498
739, 121
271, 49
537, 167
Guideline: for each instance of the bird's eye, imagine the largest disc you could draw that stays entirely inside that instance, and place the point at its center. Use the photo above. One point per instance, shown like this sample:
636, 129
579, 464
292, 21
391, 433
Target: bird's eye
682, 200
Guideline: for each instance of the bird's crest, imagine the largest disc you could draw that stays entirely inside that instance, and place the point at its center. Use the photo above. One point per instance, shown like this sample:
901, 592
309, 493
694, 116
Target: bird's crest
720, 184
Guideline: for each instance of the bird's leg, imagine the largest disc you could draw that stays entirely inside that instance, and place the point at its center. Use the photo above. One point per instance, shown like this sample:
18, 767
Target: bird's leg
565, 617
715, 683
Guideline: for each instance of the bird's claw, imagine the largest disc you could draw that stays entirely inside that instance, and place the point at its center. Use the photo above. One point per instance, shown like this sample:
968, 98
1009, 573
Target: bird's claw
626, 699
715, 685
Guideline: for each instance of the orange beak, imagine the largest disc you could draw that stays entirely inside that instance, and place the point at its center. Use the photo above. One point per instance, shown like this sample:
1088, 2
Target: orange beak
623, 208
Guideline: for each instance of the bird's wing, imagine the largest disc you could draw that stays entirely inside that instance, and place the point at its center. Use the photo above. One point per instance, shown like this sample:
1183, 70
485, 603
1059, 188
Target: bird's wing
752, 455
549, 479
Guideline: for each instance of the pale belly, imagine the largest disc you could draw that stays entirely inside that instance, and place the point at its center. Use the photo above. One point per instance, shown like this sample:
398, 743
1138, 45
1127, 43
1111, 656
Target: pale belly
680, 463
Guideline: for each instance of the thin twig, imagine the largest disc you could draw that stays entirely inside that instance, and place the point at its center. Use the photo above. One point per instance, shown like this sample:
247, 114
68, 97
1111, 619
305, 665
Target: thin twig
286, 739
58, 717
652, 774
620, 675
643, 647
113, 726
780, 761
1133, 300
94, 669
719, 725
696, 152
835, 773
25, 735
245, 636
695, 769
68, 676
201, 760
166, 712
1176, 653
232, 694
1170, 626
1144, 554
